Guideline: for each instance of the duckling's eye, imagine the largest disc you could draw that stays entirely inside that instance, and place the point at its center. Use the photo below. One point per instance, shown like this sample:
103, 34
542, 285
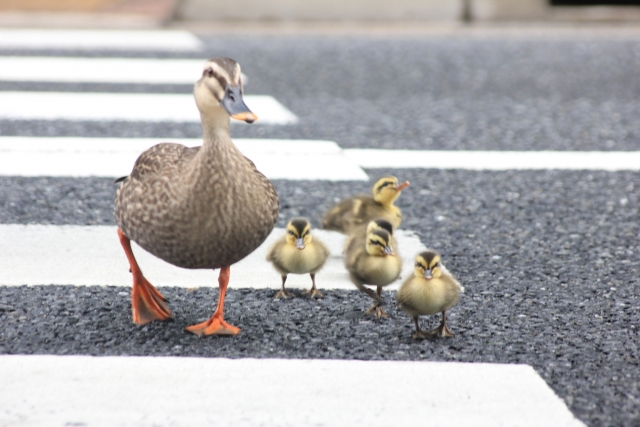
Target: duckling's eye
292, 233
375, 242
210, 72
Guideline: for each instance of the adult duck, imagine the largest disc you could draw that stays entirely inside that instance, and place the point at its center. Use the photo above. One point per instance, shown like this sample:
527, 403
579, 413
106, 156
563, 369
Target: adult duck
197, 207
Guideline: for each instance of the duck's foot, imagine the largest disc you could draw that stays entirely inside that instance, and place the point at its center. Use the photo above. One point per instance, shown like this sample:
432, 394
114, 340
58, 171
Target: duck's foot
313, 293
442, 331
147, 303
213, 326
284, 294
377, 311
421, 335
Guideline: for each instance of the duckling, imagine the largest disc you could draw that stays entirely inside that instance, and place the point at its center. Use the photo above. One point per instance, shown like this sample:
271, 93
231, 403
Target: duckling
431, 290
359, 210
371, 261
360, 233
299, 253
197, 207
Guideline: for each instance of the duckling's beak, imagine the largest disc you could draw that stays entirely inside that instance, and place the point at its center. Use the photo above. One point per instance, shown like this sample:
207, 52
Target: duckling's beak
389, 251
235, 106
300, 243
402, 186
427, 274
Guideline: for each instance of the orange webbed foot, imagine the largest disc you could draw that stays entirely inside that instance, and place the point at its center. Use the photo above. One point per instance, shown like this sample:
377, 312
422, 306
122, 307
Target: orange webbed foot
147, 303
213, 326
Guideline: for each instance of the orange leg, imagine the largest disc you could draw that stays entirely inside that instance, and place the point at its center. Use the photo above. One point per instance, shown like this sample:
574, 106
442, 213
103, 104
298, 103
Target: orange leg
147, 303
216, 324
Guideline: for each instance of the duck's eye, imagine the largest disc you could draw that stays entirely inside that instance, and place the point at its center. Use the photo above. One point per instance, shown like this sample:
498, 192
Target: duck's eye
210, 72
230, 95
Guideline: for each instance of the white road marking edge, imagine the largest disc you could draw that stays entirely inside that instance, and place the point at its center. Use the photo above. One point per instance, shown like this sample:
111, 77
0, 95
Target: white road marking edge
146, 391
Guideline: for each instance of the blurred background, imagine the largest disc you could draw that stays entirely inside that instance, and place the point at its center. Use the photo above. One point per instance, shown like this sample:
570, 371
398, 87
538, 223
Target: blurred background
158, 13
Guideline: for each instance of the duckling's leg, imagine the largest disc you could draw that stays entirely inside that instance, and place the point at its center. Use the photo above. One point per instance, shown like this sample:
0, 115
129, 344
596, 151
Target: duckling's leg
147, 303
420, 334
313, 291
283, 293
216, 324
442, 330
376, 309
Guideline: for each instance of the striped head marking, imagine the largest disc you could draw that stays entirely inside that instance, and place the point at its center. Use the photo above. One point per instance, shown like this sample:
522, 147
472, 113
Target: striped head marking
379, 243
221, 86
299, 232
387, 189
380, 224
428, 265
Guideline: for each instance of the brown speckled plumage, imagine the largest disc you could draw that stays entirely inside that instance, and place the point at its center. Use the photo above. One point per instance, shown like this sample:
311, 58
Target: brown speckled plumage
199, 207
352, 213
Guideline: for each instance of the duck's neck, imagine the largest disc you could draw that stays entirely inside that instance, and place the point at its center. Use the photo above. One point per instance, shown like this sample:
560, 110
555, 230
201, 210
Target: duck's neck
387, 203
215, 129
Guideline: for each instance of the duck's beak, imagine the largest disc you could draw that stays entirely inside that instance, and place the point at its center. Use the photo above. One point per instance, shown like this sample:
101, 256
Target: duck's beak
427, 274
402, 186
235, 106
300, 243
389, 251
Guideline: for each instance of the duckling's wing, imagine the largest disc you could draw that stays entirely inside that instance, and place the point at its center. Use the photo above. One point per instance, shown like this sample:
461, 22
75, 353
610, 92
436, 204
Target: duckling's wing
276, 249
340, 217
451, 278
404, 299
367, 210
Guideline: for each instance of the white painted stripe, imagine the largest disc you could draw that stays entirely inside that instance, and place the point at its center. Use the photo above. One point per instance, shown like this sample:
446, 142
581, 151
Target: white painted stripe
285, 159
126, 107
101, 70
497, 160
92, 255
126, 40
114, 157
148, 391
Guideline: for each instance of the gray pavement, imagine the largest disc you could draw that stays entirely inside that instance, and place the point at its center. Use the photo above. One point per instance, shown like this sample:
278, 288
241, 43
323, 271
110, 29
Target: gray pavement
549, 259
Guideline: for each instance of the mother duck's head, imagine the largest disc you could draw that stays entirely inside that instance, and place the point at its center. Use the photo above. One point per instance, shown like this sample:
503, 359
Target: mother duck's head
219, 90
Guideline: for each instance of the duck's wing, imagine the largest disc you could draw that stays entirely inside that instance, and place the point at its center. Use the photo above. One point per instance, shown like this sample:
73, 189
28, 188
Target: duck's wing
165, 158
267, 188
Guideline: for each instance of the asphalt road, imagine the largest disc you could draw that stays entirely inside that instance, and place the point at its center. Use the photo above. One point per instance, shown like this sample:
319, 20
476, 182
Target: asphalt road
549, 259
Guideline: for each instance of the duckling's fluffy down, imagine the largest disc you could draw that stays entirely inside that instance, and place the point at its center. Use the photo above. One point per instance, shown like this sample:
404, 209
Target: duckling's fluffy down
287, 258
419, 296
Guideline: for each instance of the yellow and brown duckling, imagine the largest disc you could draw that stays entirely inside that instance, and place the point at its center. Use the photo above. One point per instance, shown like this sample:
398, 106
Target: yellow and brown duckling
431, 290
357, 211
360, 233
197, 207
298, 252
373, 262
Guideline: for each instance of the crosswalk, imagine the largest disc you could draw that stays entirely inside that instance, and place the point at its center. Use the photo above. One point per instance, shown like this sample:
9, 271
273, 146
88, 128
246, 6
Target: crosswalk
101, 70
91, 256
127, 107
